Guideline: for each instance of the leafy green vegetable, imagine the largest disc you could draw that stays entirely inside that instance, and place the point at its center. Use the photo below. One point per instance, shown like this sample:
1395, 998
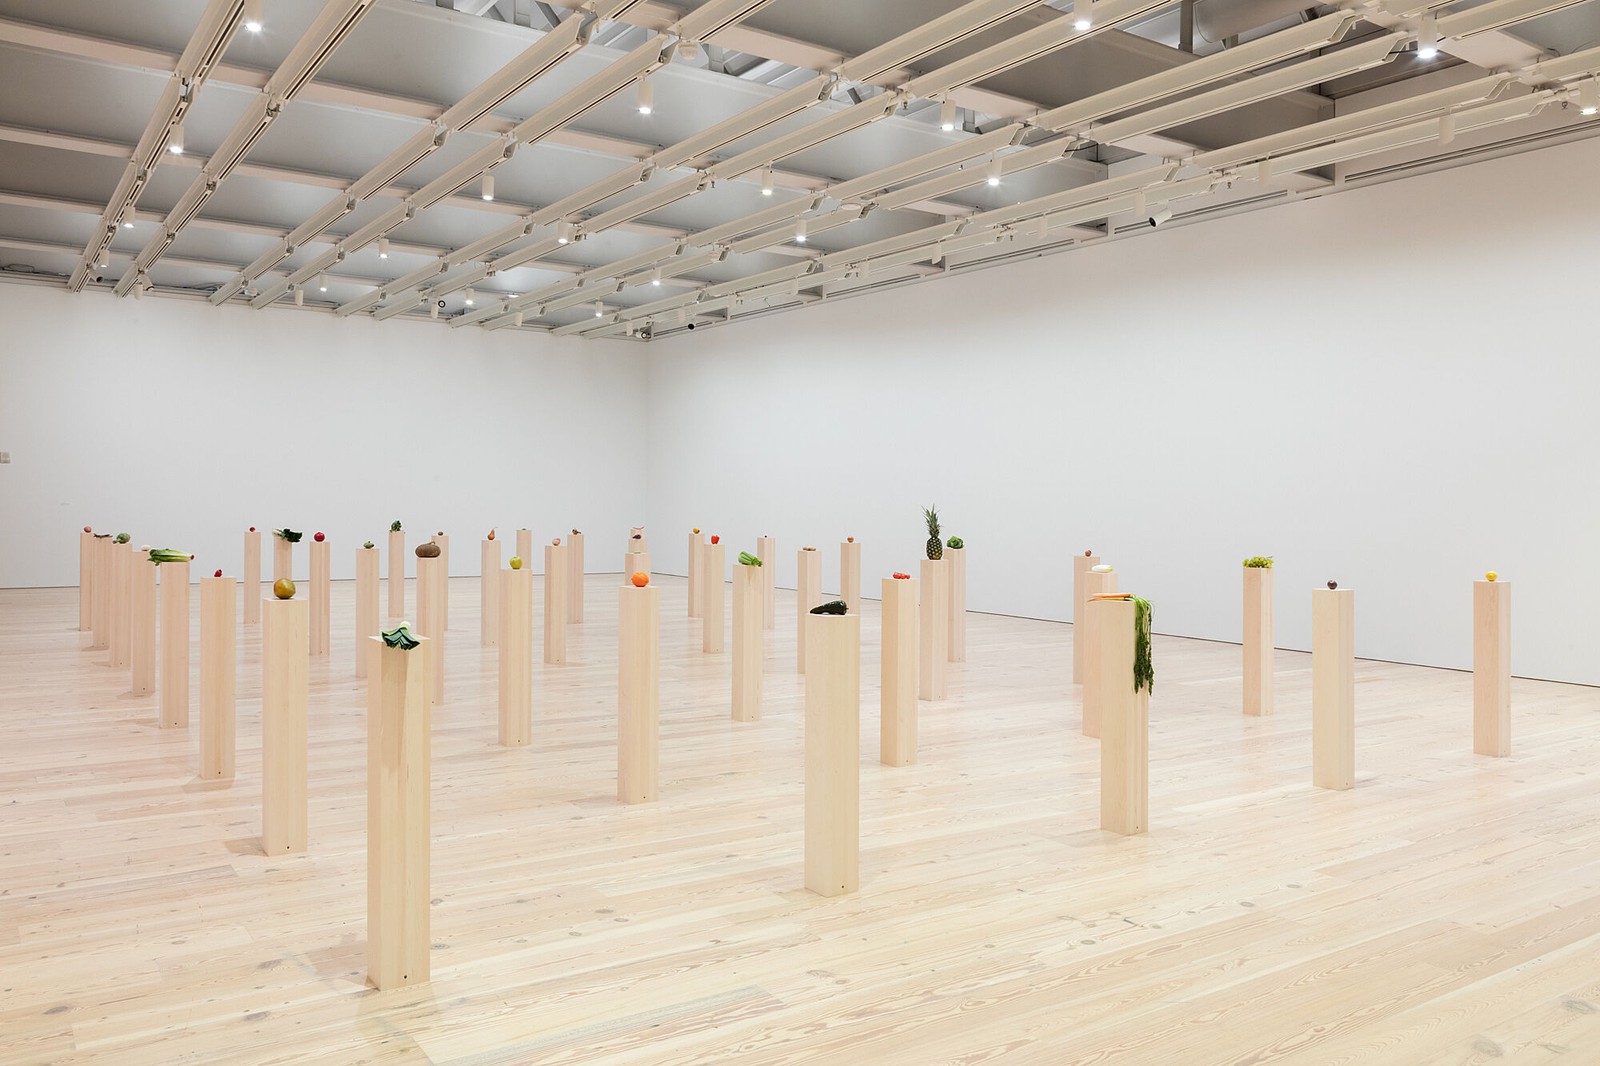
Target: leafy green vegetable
955, 542
123, 538
1144, 673
394, 527
400, 637
746, 559
1263, 562
288, 534
168, 555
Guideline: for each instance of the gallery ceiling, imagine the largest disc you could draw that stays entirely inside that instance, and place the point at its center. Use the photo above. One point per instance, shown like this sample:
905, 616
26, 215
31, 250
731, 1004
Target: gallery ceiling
630, 167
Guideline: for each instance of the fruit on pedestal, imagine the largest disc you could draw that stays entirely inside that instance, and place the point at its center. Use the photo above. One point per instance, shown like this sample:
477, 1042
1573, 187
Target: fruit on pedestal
831, 607
849, 540
88, 529
394, 527
696, 529
491, 534
930, 515
368, 544
318, 537
516, 562
640, 579
715, 539
1333, 584
1491, 576
901, 577
283, 588
427, 550
1086, 551
555, 542
217, 574
252, 529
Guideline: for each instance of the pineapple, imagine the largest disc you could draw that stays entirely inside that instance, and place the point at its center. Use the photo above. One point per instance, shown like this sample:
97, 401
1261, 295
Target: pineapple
935, 545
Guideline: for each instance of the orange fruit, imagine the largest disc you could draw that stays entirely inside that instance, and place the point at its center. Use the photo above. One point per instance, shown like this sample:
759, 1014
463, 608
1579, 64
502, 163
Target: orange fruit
640, 578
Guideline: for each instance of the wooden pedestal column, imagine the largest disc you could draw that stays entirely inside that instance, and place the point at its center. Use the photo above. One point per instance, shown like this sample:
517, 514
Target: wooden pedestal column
956, 640
143, 595
555, 603
1258, 640
833, 754
1333, 688
121, 605
399, 772
933, 625
397, 574
367, 607
218, 675
252, 577
767, 551
100, 638
516, 657
633, 563
85, 582
1082, 565
897, 711
637, 541
525, 548
1491, 667
285, 629
1124, 722
282, 559
697, 544
638, 694
850, 574
713, 597
807, 594
1093, 700
174, 639
749, 594
489, 593
429, 622
321, 589
575, 571
441, 587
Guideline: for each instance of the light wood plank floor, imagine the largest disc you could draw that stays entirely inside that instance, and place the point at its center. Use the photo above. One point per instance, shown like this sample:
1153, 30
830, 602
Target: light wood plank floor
1447, 910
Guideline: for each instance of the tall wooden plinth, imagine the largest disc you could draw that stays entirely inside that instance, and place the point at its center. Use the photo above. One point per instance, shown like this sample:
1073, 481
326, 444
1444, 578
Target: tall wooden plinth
321, 590
807, 594
525, 548
143, 595
1082, 566
956, 639
933, 624
638, 694
430, 623
285, 626
767, 551
575, 572
1087, 633
1333, 688
282, 559
399, 772
1124, 722
749, 596
516, 657
1258, 640
897, 710
555, 603
367, 607
637, 541
397, 573
850, 574
251, 577
121, 605
1491, 667
713, 597
489, 593
697, 545
833, 754
441, 586
100, 635
85, 582
218, 675
634, 563
174, 639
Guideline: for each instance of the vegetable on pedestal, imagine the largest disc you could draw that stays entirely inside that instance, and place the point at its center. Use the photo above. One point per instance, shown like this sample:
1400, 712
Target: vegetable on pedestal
288, 534
1259, 562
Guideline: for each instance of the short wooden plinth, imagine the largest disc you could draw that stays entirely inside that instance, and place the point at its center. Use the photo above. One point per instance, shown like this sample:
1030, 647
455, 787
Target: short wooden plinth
143, 594
489, 593
85, 582
897, 712
956, 638
638, 694
441, 587
697, 545
399, 831
321, 591
1491, 667
833, 754
121, 605
767, 552
634, 563
1124, 722
368, 607
1093, 700
100, 634
1333, 688
850, 574
516, 657
575, 572
285, 628
933, 629
1082, 566
1258, 640
218, 675
282, 559
555, 603
397, 574
713, 598
174, 640
749, 599
251, 577
430, 621
807, 594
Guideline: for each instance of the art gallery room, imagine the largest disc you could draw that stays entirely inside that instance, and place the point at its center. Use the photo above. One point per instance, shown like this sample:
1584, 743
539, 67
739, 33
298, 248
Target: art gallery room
997, 528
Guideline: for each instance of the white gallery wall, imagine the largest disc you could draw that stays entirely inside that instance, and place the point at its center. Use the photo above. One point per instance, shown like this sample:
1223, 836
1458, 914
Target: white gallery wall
184, 424
1397, 388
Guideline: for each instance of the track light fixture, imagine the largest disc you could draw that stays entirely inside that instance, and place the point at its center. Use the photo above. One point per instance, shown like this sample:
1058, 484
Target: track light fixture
565, 234
472, 297
1588, 97
1447, 127
175, 142
488, 186
1082, 15
1428, 39
383, 247
252, 15
1160, 215
800, 232
516, 320
994, 171
599, 309
655, 277
433, 311
947, 115
766, 180
299, 296
127, 223
647, 96
322, 283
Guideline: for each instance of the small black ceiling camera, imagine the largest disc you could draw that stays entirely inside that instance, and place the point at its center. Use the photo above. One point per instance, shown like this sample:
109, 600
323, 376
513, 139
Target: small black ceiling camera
691, 325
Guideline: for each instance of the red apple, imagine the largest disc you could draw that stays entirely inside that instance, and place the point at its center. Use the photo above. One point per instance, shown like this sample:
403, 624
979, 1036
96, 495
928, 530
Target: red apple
217, 574
1087, 552
88, 529
252, 529
319, 538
